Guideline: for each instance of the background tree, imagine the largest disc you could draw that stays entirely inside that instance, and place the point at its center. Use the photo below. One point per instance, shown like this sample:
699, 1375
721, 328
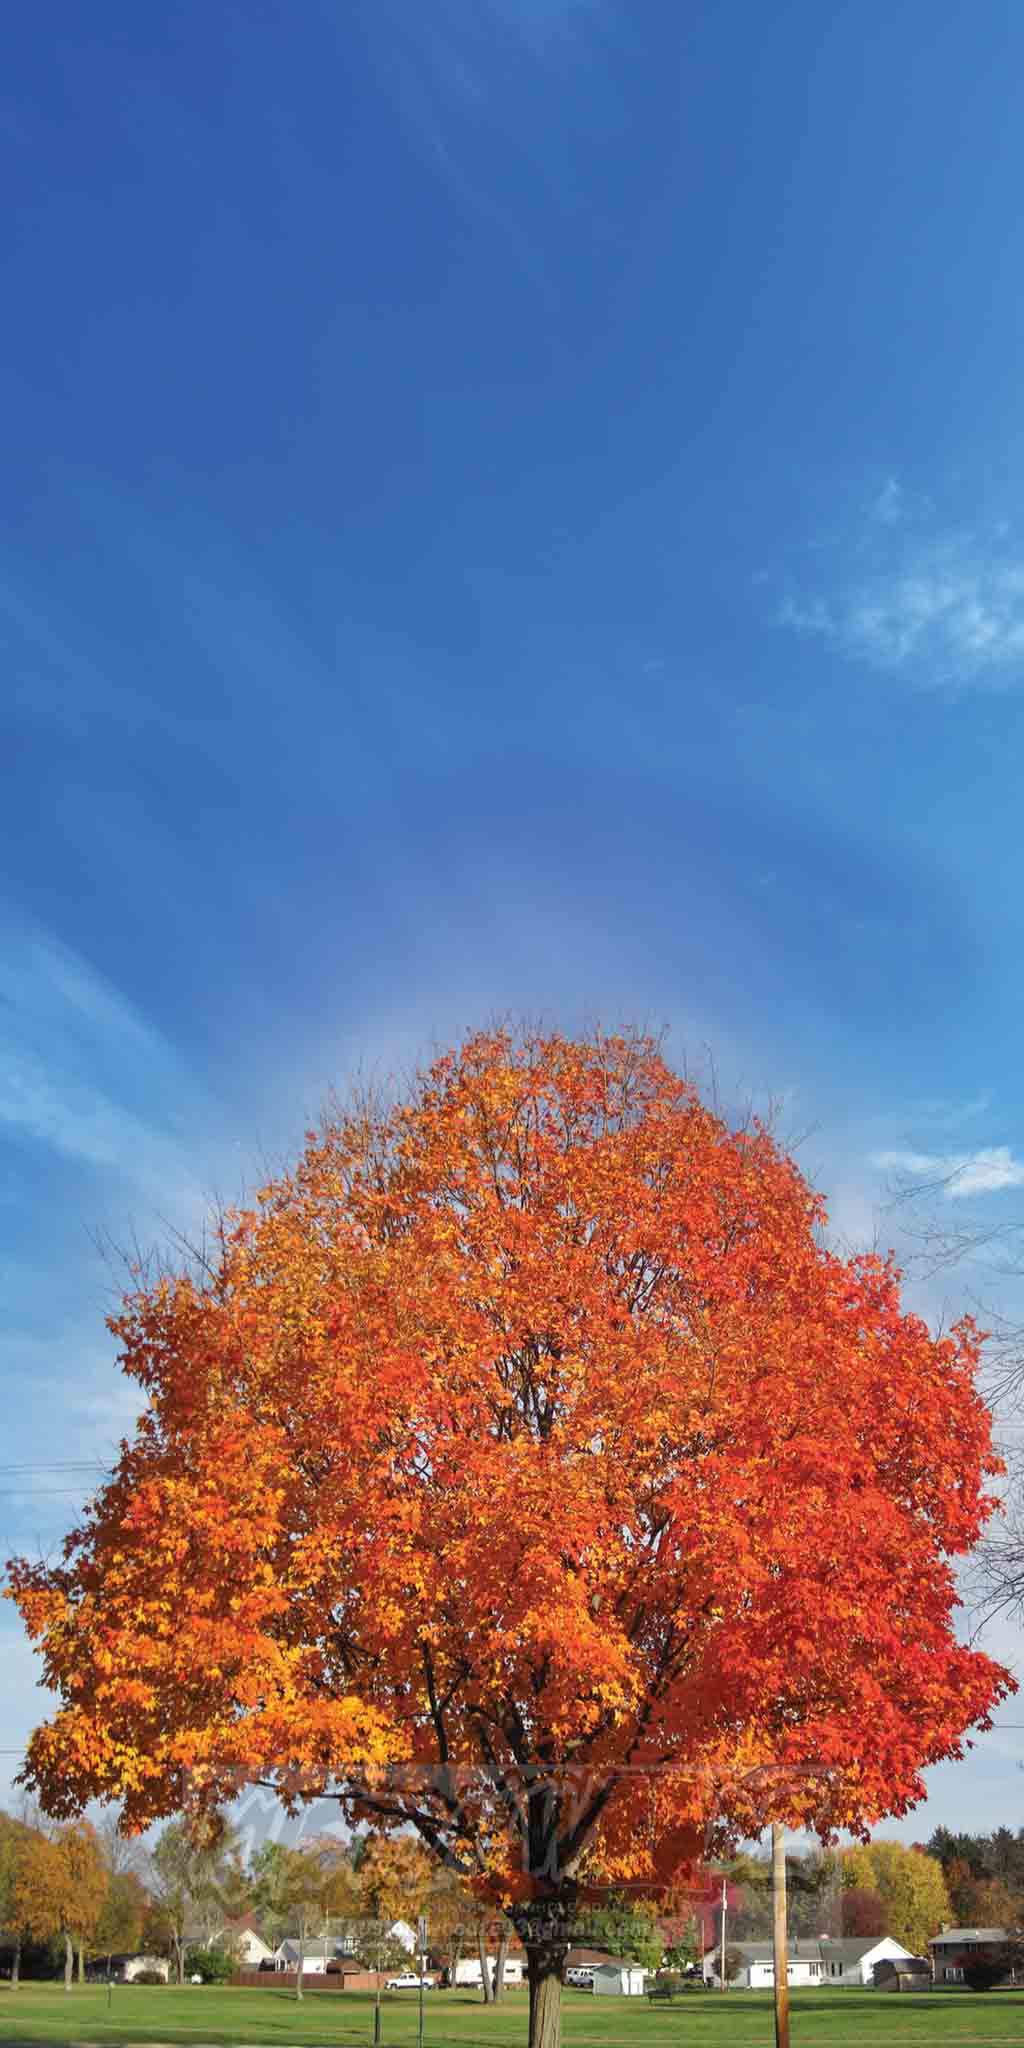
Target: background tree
910, 1885
984, 1875
305, 1886
628, 1928
684, 1948
450, 1912
39, 1892
126, 1903
863, 1911
123, 1915
59, 1889
547, 1333
396, 1874
183, 1879
15, 1837
85, 1891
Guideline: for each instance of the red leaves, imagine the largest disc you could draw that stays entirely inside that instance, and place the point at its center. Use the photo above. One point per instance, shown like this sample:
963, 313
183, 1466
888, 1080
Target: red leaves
527, 1440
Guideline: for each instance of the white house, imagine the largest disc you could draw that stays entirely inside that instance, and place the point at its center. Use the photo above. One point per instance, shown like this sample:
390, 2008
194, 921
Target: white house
836, 1962
757, 1967
248, 1943
851, 1959
316, 1954
618, 1980
468, 1972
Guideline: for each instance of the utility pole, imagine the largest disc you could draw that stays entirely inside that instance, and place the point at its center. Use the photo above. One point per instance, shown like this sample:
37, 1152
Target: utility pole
780, 1944
421, 1937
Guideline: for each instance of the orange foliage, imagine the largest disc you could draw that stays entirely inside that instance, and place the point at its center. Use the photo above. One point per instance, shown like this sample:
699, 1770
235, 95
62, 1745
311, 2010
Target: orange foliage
527, 1470
61, 1885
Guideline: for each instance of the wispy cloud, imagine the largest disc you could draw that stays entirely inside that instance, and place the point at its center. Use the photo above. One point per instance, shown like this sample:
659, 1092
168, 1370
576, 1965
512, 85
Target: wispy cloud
944, 607
959, 1174
890, 504
81, 1071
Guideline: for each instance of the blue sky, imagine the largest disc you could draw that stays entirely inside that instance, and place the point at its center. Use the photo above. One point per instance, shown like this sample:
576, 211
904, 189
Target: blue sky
508, 505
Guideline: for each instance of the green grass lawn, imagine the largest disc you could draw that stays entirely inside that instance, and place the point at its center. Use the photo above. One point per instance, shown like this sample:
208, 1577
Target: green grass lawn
200, 2014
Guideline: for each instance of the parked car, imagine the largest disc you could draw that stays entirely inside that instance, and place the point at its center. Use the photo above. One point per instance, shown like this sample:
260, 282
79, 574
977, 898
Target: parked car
581, 1975
408, 1981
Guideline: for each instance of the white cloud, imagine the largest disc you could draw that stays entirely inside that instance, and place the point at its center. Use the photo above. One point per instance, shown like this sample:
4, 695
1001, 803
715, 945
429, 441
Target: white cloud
947, 608
983, 1172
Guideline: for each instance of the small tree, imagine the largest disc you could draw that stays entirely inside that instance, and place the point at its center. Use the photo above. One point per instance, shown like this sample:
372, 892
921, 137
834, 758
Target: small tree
684, 1949
211, 1962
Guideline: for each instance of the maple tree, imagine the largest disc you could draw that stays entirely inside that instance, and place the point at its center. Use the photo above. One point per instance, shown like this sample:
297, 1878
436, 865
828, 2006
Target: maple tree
524, 1469
59, 1890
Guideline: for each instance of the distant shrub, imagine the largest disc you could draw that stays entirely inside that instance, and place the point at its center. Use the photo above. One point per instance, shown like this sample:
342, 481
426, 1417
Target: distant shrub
213, 1965
149, 1977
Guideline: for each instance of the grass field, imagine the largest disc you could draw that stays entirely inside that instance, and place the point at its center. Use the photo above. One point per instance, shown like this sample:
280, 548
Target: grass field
738, 2019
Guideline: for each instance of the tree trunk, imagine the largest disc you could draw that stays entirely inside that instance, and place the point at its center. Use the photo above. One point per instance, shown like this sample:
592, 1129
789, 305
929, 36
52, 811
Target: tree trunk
81, 1962
485, 1963
16, 1964
69, 1961
501, 1959
544, 1967
298, 1973
179, 1957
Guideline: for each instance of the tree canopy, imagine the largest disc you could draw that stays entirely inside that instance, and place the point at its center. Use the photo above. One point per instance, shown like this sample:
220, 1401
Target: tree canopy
523, 1467
909, 1884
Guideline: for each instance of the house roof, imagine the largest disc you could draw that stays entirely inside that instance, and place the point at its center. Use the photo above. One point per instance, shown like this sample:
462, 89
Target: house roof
588, 1958
852, 1948
801, 1950
961, 1937
332, 1949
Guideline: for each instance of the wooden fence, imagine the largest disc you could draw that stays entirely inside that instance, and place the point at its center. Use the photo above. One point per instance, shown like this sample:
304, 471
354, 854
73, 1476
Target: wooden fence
331, 1980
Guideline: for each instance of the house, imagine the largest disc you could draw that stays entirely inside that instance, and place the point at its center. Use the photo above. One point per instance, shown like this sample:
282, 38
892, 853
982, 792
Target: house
757, 1966
126, 1969
618, 1979
954, 1948
853, 1959
245, 1938
468, 1971
812, 1962
319, 1954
